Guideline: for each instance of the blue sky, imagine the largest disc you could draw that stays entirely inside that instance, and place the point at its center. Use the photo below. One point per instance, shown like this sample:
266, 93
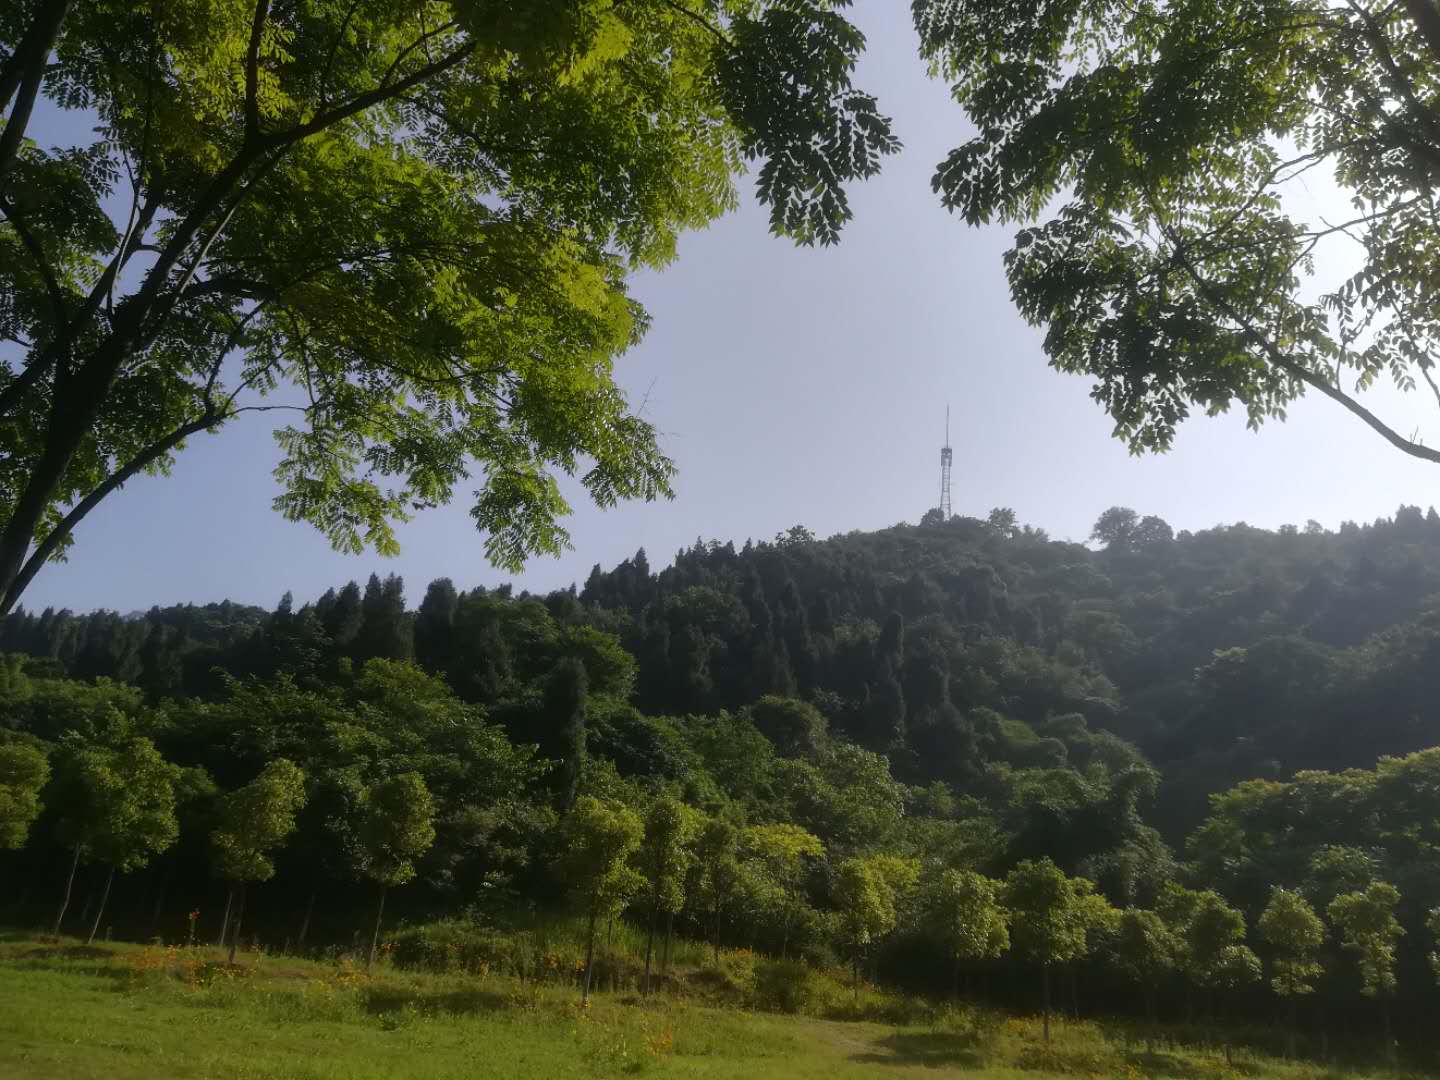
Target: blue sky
791, 386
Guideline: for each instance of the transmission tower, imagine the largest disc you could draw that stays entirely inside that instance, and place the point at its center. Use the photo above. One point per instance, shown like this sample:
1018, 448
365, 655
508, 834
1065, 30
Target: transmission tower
946, 455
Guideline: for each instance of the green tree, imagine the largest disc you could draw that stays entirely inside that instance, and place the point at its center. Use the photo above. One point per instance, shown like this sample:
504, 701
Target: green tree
116, 806
1050, 918
412, 224
1290, 926
1146, 950
1176, 267
963, 909
867, 907
1366, 926
663, 859
24, 771
397, 827
597, 839
253, 821
784, 852
564, 737
719, 875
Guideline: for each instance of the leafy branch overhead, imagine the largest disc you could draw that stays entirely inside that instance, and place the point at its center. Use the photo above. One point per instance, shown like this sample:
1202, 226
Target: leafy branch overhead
405, 228
1158, 156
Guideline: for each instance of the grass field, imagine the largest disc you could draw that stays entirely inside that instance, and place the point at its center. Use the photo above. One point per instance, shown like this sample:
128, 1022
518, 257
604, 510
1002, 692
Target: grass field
123, 1012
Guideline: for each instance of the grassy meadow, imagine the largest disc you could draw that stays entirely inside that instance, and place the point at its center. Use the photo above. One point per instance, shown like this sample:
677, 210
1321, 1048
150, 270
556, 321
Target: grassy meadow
120, 1011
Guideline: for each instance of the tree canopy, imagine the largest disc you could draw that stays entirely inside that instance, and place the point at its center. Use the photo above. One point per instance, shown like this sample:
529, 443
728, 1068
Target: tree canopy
405, 228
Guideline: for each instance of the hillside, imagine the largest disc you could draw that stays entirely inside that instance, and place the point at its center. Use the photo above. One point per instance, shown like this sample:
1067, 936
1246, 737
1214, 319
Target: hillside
1147, 713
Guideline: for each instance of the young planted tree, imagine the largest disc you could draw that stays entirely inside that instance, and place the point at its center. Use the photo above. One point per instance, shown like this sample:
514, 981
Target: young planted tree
719, 875
598, 838
662, 860
964, 911
1146, 950
24, 770
1290, 926
117, 807
1366, 925
783, 852
867, 907
254, 821
1050, 917
397, 826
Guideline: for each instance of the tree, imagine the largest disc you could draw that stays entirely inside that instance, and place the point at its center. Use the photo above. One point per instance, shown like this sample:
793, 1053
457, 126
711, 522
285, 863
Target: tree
1050, 915
564, 737
719, 874
1116, 528
24, 771
1290, 926
663, 859
397, 827
1175, 271
1147, 951
417, 222
1212, 937
963, 908
254, 820
784, 852
116, 806
597, 840
867, 907
1366, 925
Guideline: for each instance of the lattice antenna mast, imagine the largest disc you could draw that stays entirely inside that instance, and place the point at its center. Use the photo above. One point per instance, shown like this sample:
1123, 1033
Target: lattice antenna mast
946, 456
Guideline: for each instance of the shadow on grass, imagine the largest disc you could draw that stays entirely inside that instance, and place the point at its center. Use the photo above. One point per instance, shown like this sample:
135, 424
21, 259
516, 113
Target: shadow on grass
932, 1050
381, 1001
65, 952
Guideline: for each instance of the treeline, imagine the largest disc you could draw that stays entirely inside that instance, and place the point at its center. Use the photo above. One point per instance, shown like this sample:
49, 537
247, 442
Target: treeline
882, 748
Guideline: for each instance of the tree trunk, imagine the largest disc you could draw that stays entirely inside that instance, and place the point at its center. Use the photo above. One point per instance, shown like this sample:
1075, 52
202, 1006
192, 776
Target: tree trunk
239, 920
159, 904
955, 977
589, 957
225, 919
1045, 999
1389, 1036
305, 922
1074, 993
669, 936
22, 75
1290, 1039
855, 974
100, 911
649, 952
69, 888
375, 937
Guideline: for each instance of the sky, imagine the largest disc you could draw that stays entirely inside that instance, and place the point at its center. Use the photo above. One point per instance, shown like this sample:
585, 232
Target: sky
791, 386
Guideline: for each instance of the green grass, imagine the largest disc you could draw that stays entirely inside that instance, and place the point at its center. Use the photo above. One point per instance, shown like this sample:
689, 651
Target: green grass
121, 1011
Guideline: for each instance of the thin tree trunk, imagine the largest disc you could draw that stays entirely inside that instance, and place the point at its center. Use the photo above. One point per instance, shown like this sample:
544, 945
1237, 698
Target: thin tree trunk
955, 977
239, 921
855, 974
1290, 1040
225, 919
1389, 1036
1045, 998
649, 951
589, 957
375, 937
669, 936
100, 911
160, 899
305, 922
69, 888
1074, 993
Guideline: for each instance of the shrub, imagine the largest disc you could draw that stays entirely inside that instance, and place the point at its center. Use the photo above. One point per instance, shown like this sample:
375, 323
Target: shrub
786, 986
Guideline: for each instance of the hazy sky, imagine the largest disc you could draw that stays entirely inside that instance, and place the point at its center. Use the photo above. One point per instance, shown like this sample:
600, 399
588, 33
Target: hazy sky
791, 386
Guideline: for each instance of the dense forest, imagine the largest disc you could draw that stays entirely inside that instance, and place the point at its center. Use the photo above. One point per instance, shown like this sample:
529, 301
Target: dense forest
846, 749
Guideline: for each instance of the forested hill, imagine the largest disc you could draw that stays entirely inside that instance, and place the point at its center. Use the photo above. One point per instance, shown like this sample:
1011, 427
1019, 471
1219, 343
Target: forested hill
959, 649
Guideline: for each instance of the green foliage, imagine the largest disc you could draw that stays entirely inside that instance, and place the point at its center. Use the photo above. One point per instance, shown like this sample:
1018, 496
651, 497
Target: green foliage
1145, 948
865, 900
397, 827
664, 856
1290, 926
116, 803
1050, 913
24, 771
256, 819
597, 839
1366, 926
424, 226
964, 909
1155, 155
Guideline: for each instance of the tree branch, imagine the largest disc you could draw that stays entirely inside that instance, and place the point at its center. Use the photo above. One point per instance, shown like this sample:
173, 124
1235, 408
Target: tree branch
22, 76
252, 71
1426, 17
